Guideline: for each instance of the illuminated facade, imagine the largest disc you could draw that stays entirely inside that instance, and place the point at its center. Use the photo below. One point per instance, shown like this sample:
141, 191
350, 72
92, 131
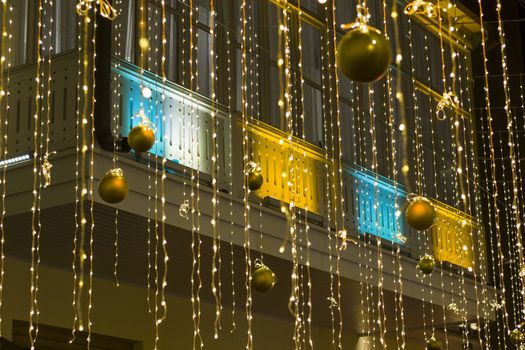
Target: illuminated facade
373, 189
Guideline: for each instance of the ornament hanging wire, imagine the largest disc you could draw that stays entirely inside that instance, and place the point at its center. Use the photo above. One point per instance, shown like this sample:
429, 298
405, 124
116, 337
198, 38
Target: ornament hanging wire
361, 21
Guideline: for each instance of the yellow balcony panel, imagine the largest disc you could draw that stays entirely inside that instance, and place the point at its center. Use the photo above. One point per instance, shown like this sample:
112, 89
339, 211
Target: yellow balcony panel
271, 149
452, 236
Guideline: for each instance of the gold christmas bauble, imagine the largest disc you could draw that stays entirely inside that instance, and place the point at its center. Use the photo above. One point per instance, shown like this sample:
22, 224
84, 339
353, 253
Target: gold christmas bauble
255, 180
421, 214
141, 138
433, 344
364, 54
113, 187
517, 336
426, 264
263, 279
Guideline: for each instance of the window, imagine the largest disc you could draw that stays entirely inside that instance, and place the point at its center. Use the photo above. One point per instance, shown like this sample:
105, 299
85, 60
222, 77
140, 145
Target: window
65, 30
265, 78
19, 30
61, 36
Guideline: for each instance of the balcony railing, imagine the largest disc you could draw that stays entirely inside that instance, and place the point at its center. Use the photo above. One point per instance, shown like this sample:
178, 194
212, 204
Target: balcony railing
183, 124
272, 151
374, 204
375, 210
453, 236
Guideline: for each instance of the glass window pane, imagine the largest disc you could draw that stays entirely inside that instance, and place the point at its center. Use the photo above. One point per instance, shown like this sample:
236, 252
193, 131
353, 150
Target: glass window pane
19, 29
347, 131
171, 47
274, 117
204, 62
65, 25
311, 5
313, 115
311, 53
345, 12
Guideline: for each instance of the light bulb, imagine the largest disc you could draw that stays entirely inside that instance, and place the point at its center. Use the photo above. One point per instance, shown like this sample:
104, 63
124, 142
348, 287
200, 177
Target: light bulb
146, 92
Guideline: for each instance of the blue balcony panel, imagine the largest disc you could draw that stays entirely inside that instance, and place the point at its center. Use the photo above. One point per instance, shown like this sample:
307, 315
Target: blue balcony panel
375, 206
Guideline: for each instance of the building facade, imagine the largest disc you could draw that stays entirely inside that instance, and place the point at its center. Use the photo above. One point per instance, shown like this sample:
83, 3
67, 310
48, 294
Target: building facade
217, 94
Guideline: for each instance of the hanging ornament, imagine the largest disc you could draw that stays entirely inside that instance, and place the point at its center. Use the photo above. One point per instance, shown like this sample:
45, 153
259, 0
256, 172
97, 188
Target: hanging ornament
517, 337
263, 279
255, 178
433, 344
142, 137
363, 54
343, 236
333, 303
106, 10
426, 264
420, 213
113, 188
46, 169
450, 101
420, 7
184, 208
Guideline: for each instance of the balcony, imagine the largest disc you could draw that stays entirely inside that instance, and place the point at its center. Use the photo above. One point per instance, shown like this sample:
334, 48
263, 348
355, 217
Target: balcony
270, 149
375, 203
453, 237
184, 137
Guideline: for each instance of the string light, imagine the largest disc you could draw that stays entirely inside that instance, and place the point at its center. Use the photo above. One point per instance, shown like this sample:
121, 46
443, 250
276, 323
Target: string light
215, 283
304, 158
91, 176
78, 279
472, 178
493, 172
35, 218
337, 186
511, 120
5, 65
230, 175
246, 213
116, 131
164, 282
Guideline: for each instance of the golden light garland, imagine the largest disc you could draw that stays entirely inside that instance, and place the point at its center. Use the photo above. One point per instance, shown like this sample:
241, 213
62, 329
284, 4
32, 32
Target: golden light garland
79, 183
230, 176
164, 280
35, 210
471, 177
116, 131
495, 191
511, 121
246, 212
330, 179
215, 281
91, 176
396, 257
5, 66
